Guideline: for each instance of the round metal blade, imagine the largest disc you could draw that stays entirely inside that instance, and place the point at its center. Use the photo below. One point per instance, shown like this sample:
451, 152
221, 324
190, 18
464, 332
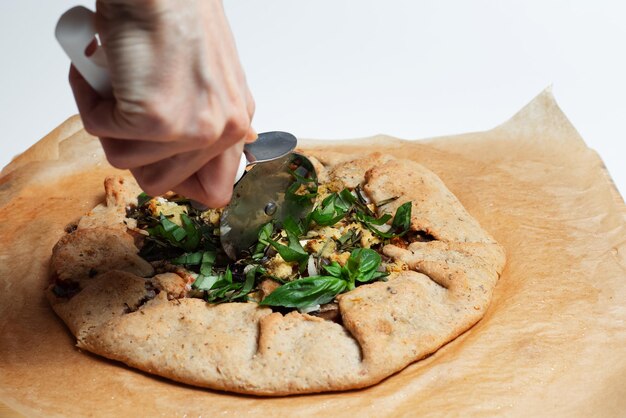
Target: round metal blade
270, 146
260, 197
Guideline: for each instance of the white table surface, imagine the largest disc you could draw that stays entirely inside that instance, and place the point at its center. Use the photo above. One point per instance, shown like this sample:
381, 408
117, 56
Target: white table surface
341, 69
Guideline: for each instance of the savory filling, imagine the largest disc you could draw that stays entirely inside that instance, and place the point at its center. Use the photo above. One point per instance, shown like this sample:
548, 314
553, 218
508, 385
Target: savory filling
302, 264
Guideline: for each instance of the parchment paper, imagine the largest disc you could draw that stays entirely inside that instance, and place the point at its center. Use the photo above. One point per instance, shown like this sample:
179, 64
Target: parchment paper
553, 342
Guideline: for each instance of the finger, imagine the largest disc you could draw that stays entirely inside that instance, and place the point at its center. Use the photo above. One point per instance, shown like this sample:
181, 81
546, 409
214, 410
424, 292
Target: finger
251, 136
99, 115
130, 153
86, 97
161, 176
212, 185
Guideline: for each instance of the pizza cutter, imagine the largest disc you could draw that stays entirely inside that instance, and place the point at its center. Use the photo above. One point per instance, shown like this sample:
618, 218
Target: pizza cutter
266, 169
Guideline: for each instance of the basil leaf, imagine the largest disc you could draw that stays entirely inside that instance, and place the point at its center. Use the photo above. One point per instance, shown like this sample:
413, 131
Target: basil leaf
402, 219
379, 275
333, 208
205, 282
208, 259
143, 198
370, 220
347, 199
228, 275
293, 252
189, 259
295, 228
362, 265
172, 230
334, 269
192, 234
265, 233
292, 191
249, 283
399, 226
288, 253
303, 293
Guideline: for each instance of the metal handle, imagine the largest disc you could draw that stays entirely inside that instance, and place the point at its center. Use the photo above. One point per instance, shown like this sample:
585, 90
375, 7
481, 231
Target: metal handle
75, 31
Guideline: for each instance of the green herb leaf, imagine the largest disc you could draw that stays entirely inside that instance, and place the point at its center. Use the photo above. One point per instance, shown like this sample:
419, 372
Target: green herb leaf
174, 231
350, 240
307, 292
362, 265
188, 259
249, 283
288, 253
292, 226
402, 219
142, 199
334, 269
370, 220
386, 201
292, 252
399, 226
264, 235
191, 232
208, 259
205, 282
333, 208
228, 275
301, 192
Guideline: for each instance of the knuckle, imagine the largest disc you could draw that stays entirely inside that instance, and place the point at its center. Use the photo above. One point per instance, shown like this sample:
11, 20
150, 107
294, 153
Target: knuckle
237, 125
153, 120
207, 134
159, 124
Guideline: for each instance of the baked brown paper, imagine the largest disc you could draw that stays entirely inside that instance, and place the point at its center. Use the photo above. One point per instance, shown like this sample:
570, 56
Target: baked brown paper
553, 341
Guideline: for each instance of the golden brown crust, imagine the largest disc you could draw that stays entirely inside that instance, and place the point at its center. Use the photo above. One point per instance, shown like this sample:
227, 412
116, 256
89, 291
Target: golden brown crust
91, 251
244, 348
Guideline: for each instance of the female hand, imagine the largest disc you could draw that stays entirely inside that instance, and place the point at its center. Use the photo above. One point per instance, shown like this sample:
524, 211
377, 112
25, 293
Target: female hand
182, 109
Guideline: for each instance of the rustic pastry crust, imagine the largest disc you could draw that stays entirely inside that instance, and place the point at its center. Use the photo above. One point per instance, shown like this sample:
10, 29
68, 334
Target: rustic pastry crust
241, 347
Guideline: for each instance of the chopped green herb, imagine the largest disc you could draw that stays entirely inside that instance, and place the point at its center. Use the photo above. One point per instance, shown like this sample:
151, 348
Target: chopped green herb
265, 234
195, 245
142, 199
402, 219
332, 209
386, 201
349, 240
292, 252
188, 259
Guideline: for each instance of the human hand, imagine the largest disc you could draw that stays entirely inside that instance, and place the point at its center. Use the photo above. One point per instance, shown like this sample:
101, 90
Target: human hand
182, 109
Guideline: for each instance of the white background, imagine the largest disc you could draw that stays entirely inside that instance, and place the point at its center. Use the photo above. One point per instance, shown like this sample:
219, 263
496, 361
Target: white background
341, 69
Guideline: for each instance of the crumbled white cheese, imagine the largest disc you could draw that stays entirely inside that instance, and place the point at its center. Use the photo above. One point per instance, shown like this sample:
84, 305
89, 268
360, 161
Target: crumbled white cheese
212, 216
280, 268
